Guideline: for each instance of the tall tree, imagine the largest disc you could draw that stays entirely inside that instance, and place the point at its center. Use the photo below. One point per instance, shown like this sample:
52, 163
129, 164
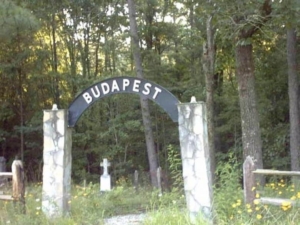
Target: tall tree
209, 53
55, 59
293, 86
152, 157
18, 27
247, 26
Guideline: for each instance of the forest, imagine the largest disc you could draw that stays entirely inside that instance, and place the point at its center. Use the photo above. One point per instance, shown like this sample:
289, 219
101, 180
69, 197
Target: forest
240, 57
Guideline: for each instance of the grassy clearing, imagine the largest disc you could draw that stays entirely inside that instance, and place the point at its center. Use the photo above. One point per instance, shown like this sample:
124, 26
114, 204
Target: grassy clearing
89, 207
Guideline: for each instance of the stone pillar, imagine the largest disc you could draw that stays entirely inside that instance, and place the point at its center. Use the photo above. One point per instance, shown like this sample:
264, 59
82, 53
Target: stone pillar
195, 159
57, 163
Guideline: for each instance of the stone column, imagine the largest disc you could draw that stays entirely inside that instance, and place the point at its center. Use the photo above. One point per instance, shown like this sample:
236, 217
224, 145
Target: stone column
195, 159
57, 163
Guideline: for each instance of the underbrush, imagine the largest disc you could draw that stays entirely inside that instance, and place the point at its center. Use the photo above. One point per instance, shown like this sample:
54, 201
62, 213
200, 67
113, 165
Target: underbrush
90, 207
229, 201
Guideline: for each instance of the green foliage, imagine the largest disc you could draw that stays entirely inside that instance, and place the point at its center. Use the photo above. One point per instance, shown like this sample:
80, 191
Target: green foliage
171, 199
16, 22
175, 166
276, 154
171, 216
227, 188
92, 41
229, 201
89, 206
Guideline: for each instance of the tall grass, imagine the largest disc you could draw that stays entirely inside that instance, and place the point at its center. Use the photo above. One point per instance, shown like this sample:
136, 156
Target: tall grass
90, 207
230, 207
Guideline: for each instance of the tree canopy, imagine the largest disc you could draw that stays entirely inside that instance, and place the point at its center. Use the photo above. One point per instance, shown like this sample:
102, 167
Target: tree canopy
50, 51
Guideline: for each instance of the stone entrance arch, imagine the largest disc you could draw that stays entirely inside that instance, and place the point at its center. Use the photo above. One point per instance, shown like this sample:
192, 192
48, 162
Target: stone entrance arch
191, 118
147, 89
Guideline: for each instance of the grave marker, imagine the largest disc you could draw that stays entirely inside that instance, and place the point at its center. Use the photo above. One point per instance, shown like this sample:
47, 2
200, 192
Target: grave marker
105, 180
2, 164
2, 169
136, 180
158, 175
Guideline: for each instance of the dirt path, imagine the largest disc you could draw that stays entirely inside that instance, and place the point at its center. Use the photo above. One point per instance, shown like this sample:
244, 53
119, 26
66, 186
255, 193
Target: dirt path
131, 219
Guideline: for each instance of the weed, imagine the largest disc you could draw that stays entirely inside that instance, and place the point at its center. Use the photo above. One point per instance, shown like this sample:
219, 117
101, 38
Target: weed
89, 206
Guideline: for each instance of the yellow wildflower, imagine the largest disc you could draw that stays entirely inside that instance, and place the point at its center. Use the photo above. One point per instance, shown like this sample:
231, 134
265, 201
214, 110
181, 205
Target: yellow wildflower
286, 205
258, 216
256, 201
285, 208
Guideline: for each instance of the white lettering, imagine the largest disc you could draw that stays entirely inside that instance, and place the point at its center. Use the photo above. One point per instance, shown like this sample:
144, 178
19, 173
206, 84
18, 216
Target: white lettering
157, 90
96, 95
126, 83
136, 85
114, 86
87, 97
105, 88
146, 90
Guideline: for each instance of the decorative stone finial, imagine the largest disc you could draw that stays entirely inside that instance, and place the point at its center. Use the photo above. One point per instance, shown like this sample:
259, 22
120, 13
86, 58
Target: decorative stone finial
54, 107
193, 99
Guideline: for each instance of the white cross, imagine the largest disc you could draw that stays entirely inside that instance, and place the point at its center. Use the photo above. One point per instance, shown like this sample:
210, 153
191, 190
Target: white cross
105, 165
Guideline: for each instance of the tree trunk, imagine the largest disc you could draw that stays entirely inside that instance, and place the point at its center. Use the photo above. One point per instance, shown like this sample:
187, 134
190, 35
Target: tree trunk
293, 90
208, 67
152, 157
251, 135
55, 62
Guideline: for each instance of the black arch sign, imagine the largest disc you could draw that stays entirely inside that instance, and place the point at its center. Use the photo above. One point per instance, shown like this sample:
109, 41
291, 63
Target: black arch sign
116, 85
